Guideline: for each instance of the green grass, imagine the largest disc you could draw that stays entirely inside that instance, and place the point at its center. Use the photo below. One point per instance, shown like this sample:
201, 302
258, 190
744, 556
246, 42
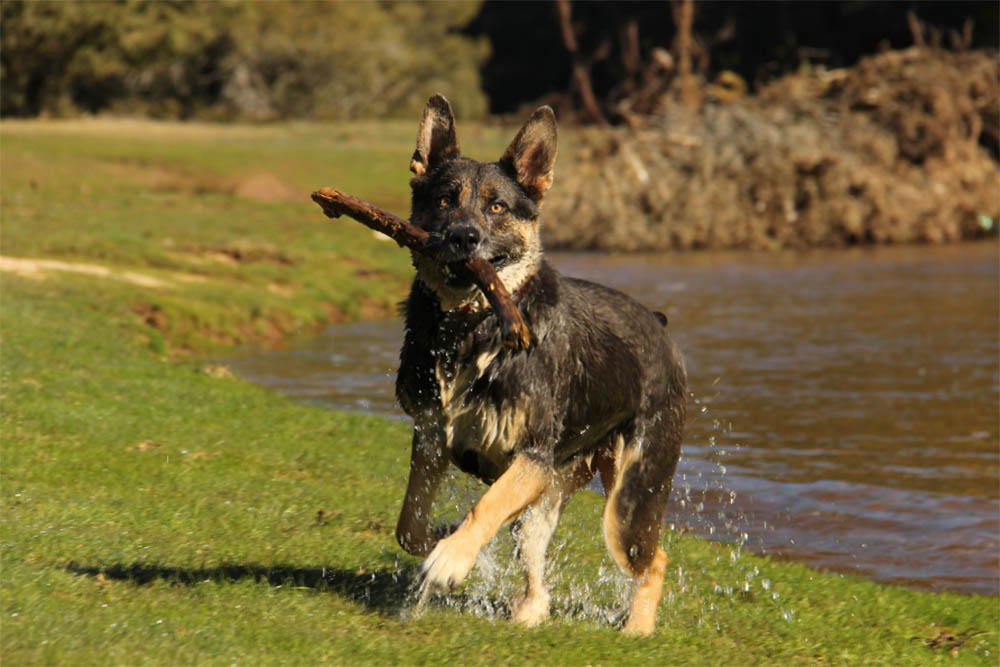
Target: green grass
158, 511
220, 215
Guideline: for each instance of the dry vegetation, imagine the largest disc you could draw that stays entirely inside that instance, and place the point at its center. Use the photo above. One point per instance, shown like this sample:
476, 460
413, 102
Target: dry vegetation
895, 149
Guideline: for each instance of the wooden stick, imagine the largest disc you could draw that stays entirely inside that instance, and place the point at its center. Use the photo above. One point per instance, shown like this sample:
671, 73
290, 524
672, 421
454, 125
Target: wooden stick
335, 203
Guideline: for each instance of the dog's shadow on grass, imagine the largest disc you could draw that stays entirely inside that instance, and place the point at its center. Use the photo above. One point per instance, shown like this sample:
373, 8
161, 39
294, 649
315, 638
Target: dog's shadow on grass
384, 591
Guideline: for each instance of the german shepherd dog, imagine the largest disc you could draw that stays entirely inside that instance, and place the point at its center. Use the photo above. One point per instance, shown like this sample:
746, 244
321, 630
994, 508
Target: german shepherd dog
601, 389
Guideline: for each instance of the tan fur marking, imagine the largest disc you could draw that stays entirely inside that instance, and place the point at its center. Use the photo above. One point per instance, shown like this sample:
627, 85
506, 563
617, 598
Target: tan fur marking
649, 584
515, 275
646, 599
482, 426
453, 557
509, 495
612, 533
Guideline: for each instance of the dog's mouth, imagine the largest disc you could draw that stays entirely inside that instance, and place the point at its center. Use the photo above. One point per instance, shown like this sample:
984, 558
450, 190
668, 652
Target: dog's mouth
457, 276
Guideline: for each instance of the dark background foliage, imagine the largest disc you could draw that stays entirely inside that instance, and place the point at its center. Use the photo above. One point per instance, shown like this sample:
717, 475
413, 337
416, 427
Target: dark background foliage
757, 40
269, 60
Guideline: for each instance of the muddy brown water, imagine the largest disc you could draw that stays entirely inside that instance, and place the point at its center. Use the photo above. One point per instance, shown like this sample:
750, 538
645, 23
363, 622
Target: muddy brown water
844, 405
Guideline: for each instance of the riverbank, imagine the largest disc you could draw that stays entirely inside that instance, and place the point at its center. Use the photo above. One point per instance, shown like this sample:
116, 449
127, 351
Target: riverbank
900, 148
158, 511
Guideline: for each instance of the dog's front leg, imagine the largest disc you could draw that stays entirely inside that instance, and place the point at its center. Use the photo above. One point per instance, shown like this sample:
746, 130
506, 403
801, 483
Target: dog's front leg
428, 464
453, 557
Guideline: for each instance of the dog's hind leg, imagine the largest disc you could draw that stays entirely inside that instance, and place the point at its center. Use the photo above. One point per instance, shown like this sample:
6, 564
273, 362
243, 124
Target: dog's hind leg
533, 532
646, 597
637, 490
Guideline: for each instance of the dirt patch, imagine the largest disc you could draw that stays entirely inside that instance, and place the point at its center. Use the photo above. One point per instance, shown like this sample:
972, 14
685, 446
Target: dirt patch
241, 252
37, 268
152, 315
895, 149
167, 178
266, 187
262, 186
146, 446
281, 289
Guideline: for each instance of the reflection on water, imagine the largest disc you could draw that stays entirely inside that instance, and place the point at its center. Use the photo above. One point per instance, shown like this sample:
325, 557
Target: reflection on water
844, 405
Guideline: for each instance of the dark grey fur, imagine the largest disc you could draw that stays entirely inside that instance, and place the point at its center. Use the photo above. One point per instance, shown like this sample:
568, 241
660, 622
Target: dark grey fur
601, 366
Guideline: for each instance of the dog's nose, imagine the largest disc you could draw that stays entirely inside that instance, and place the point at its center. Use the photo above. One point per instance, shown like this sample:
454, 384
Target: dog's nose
463, 239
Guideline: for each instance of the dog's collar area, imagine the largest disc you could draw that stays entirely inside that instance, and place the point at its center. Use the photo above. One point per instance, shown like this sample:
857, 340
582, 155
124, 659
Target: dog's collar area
518, 296
521, 292
476, 302
525, 287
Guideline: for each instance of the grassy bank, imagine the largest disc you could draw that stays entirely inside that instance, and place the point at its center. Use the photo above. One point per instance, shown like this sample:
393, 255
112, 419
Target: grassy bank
213, 223
157, 510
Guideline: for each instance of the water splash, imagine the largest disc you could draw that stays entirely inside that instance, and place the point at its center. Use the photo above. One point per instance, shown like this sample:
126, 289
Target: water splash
496, 583
703, 503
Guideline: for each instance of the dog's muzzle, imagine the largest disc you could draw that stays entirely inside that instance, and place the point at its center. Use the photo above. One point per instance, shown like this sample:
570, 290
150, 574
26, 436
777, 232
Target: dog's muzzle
459, 243
452, 249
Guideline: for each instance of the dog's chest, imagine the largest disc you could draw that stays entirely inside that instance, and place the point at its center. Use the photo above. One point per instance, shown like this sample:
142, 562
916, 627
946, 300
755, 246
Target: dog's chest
480, 431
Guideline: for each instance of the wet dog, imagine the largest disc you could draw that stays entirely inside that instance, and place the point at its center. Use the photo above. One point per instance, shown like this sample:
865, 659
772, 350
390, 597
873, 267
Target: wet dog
601, 389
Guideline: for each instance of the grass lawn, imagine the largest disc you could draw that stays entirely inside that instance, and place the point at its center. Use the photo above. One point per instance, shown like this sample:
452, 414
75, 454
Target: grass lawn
158, 511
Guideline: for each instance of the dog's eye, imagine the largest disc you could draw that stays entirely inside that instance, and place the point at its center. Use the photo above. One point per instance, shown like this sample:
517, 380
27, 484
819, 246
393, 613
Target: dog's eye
497, 208
444, 201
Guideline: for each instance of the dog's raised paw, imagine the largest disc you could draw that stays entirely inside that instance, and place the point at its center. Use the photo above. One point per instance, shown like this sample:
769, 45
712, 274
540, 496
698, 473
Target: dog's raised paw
448, 564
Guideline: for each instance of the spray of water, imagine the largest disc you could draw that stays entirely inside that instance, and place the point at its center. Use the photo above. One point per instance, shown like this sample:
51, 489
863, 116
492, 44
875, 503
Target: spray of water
702, 503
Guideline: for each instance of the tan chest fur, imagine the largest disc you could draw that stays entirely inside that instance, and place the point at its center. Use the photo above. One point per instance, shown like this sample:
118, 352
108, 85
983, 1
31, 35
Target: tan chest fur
477, 424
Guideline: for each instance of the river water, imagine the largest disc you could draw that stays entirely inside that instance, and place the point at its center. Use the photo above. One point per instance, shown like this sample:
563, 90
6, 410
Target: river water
844, 405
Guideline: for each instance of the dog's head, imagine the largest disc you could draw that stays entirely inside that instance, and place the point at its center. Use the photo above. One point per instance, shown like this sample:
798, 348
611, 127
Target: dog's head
477, 209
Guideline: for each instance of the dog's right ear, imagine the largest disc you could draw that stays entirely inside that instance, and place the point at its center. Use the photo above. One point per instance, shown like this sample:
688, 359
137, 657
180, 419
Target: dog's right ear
436, 138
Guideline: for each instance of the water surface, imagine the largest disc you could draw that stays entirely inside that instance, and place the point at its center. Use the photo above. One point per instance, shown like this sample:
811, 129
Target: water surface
844, 406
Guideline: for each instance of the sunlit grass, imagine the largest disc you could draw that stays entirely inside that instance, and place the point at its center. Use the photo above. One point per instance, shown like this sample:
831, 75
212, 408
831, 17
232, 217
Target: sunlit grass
158, 511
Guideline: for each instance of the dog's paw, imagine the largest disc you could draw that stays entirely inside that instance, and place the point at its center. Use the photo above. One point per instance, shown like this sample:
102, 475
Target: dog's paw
532, 611
448, 564
639, 625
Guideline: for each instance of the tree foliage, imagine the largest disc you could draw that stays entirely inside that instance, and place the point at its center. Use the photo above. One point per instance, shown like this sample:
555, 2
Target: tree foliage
255, 60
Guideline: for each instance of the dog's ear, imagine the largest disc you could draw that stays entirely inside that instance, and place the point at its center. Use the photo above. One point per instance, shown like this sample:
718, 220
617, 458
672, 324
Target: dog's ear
532, 154
436, 138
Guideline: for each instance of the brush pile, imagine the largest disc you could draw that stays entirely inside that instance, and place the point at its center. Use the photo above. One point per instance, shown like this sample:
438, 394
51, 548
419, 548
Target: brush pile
896, 149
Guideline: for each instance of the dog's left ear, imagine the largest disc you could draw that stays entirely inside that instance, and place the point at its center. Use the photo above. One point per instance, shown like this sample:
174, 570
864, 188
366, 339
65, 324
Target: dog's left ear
436, 138
532, 154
